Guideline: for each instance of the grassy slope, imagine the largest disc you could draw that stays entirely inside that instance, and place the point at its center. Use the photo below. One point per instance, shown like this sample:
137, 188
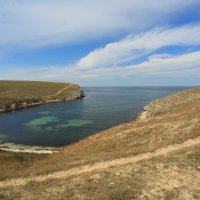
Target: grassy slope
32, 91
173, 176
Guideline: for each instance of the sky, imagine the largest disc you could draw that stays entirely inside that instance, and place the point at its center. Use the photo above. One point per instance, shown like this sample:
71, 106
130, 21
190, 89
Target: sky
101, 43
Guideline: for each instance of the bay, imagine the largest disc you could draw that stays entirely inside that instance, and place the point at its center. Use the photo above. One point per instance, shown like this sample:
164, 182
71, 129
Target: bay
62, 123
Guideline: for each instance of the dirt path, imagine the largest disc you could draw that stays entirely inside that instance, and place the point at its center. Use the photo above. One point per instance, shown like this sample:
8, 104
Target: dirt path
61, 90
100, 165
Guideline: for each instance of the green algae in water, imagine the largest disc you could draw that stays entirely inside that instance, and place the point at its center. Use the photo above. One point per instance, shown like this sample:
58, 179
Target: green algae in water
45, 113
42, 121
35, 128
49, 128
75, 123
62, 126
2, 137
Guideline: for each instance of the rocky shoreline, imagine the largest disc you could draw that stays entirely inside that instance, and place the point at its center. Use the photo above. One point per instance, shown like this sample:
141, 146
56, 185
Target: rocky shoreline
13, 107
151, 109
161, 105
20, 148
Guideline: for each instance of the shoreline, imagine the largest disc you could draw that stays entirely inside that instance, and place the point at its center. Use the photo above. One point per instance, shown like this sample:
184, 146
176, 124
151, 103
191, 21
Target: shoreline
14, 108
18, 103
21, 148
151, 108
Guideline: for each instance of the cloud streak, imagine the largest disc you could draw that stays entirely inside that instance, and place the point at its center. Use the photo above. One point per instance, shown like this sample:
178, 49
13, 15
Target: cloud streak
39, 23
157, 67
133, 46
144, 27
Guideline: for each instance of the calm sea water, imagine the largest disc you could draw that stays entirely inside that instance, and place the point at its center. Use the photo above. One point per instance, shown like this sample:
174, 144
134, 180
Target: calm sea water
59, 124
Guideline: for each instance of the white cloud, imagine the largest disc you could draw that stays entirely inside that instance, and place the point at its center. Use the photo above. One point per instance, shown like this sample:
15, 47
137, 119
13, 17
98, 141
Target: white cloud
156, 69
36, 23
173, 65
32, 24
155, 66
135, 46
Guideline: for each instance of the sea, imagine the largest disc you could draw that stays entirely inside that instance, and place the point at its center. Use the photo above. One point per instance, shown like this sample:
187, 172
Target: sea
62, 123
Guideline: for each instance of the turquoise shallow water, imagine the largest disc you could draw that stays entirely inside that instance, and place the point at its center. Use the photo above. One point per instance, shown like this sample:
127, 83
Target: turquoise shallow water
62, 123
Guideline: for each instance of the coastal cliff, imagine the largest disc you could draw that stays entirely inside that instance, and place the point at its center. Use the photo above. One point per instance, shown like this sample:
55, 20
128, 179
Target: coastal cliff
154, 157
23, 94
162, 105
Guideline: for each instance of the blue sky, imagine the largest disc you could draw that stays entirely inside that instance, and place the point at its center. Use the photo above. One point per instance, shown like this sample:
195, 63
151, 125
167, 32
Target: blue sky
101, 43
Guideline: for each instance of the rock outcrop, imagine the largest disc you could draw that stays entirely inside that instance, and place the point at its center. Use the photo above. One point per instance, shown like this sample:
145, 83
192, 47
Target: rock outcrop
153, 158
23, 94
161, 105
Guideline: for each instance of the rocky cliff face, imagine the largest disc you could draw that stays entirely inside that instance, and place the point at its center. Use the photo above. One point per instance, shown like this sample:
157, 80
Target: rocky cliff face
161, 105
153, 158
22, 94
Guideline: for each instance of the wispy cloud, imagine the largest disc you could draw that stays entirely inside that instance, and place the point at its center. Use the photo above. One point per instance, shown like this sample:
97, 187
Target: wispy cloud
157, 67
40, 23
133, 46
144, 26
156, 64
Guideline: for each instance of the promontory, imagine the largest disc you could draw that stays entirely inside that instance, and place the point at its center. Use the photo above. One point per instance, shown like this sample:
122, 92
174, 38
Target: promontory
155, 157
22, 94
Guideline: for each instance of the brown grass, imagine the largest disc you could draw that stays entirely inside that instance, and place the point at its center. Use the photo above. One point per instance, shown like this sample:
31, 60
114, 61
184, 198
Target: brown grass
166, 177
15, 163
18, 92
174, 176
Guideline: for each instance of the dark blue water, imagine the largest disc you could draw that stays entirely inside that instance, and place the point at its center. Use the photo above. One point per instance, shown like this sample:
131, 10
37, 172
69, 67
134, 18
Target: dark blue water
59, 124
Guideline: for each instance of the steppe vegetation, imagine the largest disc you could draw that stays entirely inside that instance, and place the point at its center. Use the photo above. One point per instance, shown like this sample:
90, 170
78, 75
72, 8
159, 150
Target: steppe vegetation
21, 94
156, 157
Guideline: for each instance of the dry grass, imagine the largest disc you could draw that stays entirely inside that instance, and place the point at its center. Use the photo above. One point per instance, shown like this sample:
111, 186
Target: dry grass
174, 176
15, 163
18, 92
175, 126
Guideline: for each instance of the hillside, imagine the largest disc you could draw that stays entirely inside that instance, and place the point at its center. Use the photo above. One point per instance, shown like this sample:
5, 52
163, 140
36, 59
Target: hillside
155, 157
22, 94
